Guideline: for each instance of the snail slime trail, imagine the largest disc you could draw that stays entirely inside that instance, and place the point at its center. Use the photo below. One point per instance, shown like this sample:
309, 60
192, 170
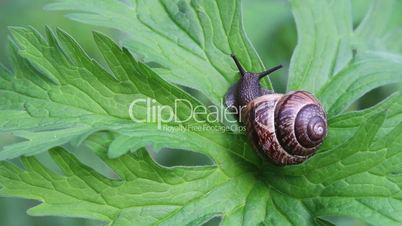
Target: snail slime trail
284, 128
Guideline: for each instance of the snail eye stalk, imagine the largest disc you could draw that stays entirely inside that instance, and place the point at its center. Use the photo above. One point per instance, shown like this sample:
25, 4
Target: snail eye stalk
269, 71
241, 69
259, 75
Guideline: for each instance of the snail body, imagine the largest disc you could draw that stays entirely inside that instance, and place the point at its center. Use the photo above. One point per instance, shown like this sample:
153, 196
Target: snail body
285, 128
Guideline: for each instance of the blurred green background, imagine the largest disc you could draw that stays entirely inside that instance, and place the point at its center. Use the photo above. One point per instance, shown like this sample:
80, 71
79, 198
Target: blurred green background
270, 27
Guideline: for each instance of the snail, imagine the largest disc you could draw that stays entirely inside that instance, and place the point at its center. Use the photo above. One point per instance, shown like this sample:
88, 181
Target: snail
284, 128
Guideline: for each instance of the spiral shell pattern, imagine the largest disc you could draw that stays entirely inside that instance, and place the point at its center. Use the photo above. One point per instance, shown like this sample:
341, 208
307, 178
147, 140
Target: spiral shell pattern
287, 128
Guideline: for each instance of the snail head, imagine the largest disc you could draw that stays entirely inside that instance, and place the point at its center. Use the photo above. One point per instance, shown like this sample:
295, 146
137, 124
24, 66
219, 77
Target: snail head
249, 86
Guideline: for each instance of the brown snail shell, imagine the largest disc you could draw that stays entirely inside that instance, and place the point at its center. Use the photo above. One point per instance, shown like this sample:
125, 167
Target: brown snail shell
286, 128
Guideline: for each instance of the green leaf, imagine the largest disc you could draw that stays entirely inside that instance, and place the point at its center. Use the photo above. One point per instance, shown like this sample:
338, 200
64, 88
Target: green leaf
343, 126
368, 71
323, 30
338, 63
82, 98
325, 56
144, 187
146, 193
186, 42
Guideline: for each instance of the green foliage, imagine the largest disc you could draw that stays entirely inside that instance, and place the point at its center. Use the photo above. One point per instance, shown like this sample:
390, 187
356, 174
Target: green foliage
30, 13
187, 42
145, 186
331, 56
58, 95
